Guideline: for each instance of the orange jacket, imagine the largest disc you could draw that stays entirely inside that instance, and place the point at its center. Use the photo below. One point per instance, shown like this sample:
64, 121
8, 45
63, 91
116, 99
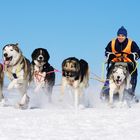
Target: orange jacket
121, 57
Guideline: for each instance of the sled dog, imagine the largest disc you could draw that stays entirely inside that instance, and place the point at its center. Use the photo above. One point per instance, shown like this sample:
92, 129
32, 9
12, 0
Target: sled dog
43, 75
75, 74
17, 68
119, 80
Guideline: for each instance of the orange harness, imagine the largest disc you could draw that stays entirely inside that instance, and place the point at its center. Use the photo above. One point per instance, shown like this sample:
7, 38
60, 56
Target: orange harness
121, 57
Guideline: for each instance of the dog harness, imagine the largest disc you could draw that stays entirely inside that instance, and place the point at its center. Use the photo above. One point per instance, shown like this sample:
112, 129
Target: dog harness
39, 76
123, 56
19, 67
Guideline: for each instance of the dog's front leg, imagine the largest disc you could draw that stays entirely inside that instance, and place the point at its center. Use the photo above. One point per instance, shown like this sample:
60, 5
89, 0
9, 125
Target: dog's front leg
63, 86
23, 104
76, 98
121, 93
12, 84
111, 93
39, 86
62, 92
112, 88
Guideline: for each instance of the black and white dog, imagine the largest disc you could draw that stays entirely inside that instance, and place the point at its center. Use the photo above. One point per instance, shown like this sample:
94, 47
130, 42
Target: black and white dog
43, 75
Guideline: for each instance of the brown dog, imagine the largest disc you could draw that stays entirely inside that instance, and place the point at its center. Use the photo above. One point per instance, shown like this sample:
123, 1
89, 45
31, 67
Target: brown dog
75, 74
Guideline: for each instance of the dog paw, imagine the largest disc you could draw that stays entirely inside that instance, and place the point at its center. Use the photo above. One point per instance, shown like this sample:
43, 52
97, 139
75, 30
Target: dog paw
21, 106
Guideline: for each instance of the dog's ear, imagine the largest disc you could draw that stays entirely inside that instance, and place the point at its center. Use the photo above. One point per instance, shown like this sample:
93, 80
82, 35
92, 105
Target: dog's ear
33, 55
125, 70
5, 46
114, 70
16, 47
16, 44
63, 63
47, 56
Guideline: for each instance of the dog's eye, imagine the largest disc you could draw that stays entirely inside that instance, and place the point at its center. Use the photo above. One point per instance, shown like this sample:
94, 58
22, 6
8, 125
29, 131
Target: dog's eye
11, 50
114, 71
66, 65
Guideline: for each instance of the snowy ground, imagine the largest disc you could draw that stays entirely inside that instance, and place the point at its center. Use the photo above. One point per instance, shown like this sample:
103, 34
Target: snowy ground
60, 121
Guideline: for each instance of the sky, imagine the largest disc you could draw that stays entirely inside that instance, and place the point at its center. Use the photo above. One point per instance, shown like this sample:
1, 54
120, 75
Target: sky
79, 28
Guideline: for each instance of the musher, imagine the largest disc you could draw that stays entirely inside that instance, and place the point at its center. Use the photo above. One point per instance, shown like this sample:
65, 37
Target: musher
122, 49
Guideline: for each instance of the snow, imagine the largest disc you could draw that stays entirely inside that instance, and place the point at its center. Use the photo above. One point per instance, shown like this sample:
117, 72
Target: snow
60, 121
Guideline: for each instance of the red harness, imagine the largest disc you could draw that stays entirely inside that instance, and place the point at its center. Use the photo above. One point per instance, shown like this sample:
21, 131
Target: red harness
38, 75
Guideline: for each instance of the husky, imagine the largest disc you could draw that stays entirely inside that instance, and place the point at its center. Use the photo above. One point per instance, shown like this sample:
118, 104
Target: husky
119, 81
17, 68
75, 74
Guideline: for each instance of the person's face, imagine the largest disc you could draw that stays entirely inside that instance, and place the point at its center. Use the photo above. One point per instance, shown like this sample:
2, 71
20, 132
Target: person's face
121, 38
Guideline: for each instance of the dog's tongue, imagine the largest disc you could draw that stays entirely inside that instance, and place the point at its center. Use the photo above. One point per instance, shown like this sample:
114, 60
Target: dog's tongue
6, 62
118, 81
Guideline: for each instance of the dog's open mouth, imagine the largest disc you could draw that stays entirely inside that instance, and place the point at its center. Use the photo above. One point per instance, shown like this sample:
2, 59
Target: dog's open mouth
7, 60
118, 81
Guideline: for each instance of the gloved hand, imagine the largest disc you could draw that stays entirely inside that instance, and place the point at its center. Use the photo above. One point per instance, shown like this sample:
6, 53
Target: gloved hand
136, 56
111, 57
133, 56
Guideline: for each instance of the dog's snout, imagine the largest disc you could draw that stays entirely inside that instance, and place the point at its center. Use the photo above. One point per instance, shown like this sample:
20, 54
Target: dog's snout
68, 74
5, 54
118, 77
40, 57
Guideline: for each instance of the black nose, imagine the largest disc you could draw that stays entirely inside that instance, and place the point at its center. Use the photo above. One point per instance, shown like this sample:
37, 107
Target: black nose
67, 73
118, 77
5, 54
40, 57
